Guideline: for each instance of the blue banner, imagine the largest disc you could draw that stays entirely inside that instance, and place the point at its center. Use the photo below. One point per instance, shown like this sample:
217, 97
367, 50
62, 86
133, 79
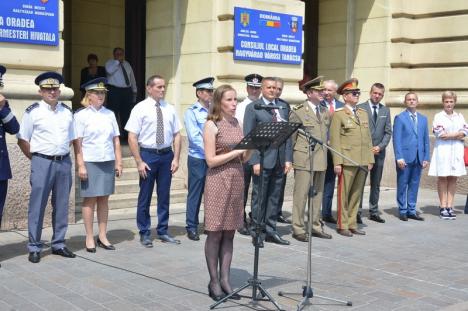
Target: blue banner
264, 36
29, 21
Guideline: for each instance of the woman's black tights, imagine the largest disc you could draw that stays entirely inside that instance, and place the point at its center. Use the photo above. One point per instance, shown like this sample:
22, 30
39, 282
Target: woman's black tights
218, 253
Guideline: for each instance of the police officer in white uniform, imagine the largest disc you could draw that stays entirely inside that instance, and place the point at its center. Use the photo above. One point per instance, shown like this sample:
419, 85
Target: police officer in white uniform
153, 128
45, 135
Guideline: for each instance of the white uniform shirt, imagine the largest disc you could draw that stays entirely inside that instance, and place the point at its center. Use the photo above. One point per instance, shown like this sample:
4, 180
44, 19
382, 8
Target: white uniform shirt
143, 120
240, 110
97, 128
48, 132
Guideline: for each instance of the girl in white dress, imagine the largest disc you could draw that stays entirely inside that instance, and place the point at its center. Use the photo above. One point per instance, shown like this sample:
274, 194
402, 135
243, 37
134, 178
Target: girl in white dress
449, 128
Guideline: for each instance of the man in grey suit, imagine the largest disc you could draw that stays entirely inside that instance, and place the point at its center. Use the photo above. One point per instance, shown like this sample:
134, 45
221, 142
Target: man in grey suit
277, 162
381, 131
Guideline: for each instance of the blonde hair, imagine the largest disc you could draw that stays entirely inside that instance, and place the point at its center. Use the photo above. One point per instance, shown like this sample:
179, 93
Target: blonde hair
215, 114
85, 100
449, 94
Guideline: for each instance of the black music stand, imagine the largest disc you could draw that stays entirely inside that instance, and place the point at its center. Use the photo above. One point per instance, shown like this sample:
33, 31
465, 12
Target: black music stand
265, 135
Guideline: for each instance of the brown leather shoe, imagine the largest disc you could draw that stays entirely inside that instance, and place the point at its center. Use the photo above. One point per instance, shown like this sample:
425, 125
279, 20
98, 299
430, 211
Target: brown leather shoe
321, 234
344, 232
357, 231
302, 237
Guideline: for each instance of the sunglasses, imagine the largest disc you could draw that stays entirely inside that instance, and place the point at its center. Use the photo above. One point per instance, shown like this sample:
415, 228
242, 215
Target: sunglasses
354, 93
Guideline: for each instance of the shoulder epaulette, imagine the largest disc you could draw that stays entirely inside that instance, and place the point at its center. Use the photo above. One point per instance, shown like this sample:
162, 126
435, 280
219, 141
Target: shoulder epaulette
78, 110
339, 109
298, 106
360, 108
65, 106
33, 106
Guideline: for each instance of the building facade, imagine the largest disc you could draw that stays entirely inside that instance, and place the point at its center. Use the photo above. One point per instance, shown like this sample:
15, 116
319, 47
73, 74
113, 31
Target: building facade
418, 45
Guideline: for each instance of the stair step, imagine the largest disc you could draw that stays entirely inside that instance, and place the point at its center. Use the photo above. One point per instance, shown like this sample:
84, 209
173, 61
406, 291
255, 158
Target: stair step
132, 186
129, 200
128, 162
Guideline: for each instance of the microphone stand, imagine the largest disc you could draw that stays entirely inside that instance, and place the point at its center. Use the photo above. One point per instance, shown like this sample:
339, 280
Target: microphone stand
307, 291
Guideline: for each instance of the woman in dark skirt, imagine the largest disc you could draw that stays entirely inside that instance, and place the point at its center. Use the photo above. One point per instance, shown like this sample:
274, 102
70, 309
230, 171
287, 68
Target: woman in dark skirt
98, 158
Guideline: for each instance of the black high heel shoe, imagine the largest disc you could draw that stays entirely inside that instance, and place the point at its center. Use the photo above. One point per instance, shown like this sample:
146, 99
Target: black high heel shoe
233, 297
213, 296
90, 249
109, 247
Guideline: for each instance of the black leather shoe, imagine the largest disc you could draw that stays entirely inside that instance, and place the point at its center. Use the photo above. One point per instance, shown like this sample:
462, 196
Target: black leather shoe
166, 238
377, 218
282, 220
64, 252
301, 237
214, 296
416, 217
193, 235
329, 219
109, 247
34, 257
91, 249
244, 230
357, 231
321, 234
145, 240
403, 218
275, 238
359, 219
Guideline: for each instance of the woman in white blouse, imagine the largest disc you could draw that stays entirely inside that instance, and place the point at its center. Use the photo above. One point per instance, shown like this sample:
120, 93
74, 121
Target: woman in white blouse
449, 128
98, 158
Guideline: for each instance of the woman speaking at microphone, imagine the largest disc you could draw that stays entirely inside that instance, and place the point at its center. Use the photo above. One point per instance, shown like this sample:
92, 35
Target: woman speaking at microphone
224, 188
98, 158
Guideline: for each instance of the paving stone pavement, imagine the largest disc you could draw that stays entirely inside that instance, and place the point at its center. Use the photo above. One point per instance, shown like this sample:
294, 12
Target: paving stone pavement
396, 266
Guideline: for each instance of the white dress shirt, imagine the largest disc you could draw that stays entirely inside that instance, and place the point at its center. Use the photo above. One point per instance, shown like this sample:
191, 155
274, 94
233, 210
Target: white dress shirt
275, 111
143, 121
48, 131
240, 110
115, 76
97, 128
371, 106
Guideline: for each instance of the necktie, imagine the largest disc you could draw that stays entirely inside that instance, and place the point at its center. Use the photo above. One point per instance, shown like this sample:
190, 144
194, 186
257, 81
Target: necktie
331, 107
317, 113
374, 114
159, 125
355, 114
127, 81
273, 113
415, 123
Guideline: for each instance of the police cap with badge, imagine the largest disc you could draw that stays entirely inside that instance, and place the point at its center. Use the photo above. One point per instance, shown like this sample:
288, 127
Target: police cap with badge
204, 84
49, 80
2, 72
254, 80
98, 84
314, 84
348, 86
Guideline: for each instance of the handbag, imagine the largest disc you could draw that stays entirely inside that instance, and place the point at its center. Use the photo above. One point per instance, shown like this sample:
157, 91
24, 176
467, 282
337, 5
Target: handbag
466, 156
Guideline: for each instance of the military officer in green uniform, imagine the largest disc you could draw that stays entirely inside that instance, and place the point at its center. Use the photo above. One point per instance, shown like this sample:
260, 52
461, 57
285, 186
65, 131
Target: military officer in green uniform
350, 135
315, 119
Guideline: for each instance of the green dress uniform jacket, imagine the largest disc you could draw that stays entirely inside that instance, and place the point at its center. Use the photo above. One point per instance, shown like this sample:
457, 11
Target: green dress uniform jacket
318, 128
350, 135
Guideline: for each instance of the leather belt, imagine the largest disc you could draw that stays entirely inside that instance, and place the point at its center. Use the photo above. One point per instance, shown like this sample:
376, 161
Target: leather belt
49, 157
157, 151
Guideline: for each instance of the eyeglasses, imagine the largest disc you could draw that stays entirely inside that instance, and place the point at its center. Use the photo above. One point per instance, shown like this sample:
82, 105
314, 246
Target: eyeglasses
50, 89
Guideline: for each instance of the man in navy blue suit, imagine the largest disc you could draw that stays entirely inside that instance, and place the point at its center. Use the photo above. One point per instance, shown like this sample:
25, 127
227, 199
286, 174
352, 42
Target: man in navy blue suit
332, 104
8, 124
411, 147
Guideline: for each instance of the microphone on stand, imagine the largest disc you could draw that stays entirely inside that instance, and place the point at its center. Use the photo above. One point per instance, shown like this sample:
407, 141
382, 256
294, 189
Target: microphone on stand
267, 107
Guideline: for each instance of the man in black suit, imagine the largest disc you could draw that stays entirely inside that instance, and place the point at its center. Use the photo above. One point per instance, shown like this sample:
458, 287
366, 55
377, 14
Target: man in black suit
381, 131
277, 162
